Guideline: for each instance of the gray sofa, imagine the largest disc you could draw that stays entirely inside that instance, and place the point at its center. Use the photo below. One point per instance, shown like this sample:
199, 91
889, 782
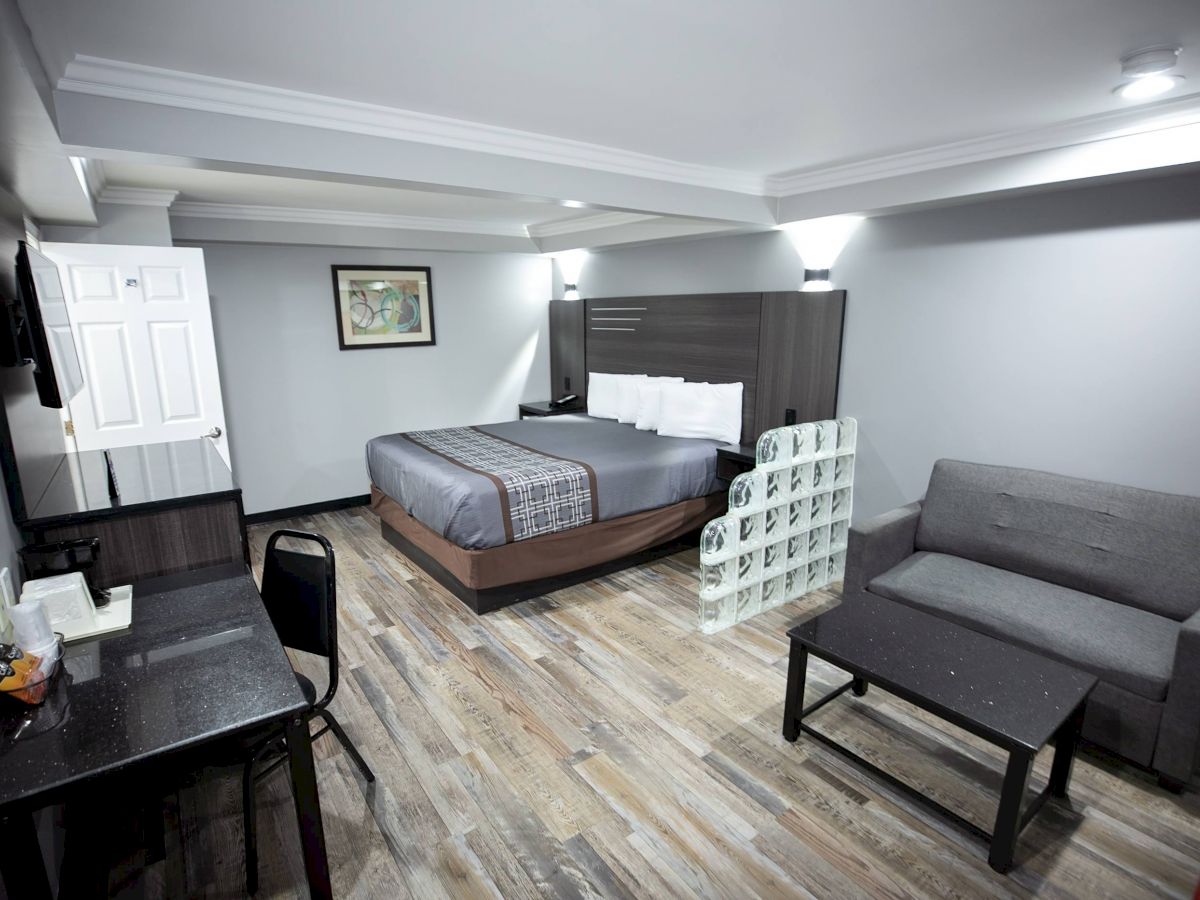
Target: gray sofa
1101, 576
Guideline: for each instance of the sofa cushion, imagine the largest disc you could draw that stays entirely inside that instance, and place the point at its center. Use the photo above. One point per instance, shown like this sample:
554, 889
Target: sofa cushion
1126, 544
1124, 646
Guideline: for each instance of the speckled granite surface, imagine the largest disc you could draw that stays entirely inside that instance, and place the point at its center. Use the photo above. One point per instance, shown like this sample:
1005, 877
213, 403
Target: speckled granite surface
1007, 694
199, 662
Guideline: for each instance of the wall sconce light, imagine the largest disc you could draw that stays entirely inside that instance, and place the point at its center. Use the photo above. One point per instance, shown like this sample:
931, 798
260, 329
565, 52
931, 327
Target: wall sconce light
819, 242
570, 264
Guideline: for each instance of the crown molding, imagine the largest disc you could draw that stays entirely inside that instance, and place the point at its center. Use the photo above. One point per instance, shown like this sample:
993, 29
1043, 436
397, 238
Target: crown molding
93, 175
340, 218
588, 223
135, 196
149, 84
1104, 126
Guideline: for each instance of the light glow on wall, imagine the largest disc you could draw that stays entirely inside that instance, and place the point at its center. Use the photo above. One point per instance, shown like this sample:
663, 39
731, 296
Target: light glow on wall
819, 242
570, 264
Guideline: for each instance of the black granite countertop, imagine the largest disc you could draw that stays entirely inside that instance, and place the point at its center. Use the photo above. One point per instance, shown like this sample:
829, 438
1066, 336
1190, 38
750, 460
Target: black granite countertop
1009, 695
200, 661
148, 475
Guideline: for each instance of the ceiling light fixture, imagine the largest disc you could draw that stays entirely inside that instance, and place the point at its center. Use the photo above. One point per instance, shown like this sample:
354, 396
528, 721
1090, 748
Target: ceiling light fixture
1145, 73
819, 241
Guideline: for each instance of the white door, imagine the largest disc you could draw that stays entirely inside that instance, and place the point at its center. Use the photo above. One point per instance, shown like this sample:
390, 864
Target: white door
143, 328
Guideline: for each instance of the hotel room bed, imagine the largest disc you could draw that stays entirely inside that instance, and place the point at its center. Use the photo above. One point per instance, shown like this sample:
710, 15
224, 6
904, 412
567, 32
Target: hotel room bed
498, 505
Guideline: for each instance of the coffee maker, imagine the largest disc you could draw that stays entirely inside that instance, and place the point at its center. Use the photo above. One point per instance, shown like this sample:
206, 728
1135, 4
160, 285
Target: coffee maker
61, 557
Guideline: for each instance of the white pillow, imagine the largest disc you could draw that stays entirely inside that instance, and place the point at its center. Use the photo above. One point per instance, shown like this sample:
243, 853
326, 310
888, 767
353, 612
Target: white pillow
702, 411
628, 392
602, 393
649, 394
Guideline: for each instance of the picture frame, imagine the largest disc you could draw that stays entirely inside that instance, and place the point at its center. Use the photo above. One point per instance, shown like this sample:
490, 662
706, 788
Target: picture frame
383, 306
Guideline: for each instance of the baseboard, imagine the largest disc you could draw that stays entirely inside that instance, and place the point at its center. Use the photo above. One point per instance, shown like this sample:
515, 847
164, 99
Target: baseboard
308, 509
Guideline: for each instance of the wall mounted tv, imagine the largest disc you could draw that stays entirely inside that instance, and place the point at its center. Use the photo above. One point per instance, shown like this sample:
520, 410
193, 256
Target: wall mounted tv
39, 331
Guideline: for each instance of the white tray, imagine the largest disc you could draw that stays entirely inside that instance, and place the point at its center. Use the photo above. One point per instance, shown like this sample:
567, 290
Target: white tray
118, 614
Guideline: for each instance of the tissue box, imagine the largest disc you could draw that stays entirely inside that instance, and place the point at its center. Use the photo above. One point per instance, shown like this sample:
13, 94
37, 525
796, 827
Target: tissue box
67, 600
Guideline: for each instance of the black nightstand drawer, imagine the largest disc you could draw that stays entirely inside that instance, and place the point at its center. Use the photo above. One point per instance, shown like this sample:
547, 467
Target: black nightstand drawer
733, 460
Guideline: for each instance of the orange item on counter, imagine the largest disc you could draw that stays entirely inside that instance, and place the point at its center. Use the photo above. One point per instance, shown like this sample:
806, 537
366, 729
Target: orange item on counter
21, 675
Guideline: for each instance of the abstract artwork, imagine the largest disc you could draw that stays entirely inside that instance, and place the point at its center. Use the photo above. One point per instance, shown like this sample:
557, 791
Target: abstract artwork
383, 306
787, 527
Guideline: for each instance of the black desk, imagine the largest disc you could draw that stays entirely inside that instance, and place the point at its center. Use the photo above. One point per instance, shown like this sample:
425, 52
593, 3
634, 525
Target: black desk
201, 662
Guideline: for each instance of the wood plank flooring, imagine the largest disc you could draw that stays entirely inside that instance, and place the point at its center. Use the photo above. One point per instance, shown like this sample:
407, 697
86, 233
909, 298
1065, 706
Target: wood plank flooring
593, 744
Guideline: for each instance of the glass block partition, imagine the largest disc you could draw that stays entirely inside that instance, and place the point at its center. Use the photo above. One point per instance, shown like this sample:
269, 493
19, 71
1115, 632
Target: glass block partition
788, 522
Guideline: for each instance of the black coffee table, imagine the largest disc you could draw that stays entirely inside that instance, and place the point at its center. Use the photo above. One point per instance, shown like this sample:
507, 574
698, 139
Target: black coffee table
1014, 698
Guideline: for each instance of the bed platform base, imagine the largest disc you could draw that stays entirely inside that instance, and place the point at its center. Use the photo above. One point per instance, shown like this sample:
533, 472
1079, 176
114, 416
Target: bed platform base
485, 600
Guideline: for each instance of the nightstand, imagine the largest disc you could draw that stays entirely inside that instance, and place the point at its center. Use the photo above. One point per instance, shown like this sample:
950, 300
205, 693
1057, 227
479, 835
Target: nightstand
733, 460
539, 408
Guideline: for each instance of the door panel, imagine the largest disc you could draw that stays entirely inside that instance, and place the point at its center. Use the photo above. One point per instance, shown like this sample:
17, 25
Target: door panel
111, 395
90, 284
178, 388
141, 318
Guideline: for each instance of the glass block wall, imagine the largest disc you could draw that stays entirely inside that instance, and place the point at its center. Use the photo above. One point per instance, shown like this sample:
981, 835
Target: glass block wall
788, 522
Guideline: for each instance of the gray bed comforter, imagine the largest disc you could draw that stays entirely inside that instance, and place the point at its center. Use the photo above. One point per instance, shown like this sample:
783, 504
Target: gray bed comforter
489, 485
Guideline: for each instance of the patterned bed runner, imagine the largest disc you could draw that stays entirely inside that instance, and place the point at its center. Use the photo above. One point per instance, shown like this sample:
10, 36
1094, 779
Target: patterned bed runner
539, 493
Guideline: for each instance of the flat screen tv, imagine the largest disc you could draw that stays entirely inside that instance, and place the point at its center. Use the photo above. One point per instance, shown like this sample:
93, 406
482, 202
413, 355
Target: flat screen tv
43, 331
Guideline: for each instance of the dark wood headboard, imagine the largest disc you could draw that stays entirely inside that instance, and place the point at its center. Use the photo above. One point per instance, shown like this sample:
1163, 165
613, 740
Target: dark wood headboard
784, 347
706, 337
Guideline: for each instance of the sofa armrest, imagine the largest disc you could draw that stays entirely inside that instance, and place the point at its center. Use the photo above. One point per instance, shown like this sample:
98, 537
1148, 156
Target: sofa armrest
878, 544
1176, 755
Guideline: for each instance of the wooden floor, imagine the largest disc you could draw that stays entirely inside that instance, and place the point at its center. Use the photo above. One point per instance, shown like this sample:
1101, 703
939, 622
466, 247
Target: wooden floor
593, 743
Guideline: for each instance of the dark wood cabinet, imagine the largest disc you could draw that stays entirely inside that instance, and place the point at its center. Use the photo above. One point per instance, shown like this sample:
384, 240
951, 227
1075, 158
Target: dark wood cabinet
179, 509
568, 372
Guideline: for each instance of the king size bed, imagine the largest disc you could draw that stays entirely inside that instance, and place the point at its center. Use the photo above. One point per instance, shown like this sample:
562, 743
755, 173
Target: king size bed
502, 508
499, 513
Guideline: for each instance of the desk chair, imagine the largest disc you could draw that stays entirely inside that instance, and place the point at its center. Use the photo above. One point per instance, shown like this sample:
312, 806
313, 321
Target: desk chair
299, 591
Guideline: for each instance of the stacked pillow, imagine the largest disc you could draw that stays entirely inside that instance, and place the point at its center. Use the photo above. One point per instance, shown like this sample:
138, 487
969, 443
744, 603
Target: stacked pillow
668, 405
630, 392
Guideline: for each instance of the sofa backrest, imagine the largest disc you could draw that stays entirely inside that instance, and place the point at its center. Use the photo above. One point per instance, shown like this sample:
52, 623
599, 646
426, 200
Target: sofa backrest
1136, 547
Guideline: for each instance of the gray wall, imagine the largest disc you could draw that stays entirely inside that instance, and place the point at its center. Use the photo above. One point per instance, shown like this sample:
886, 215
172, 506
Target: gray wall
1056, 331
300, 411
117, 223
35, 430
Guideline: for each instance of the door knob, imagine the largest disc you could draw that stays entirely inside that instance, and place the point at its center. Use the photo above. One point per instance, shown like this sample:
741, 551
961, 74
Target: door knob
214, 432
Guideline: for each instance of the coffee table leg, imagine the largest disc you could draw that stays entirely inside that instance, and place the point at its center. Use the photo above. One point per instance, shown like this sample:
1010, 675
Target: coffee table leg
1066, 739
858, 686
793, 704
1008, 816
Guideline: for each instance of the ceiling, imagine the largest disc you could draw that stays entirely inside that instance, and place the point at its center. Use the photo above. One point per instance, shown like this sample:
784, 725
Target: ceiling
245, 189
33, 164
576, 123
762, 86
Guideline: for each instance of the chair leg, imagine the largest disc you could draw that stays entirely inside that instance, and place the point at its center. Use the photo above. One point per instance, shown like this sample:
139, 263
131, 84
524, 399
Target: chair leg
348, 744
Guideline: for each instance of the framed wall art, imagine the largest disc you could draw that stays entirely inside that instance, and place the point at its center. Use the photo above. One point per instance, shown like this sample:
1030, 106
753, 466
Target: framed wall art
383, 306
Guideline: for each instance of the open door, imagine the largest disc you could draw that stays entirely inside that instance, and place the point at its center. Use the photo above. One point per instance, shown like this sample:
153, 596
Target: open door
143, 327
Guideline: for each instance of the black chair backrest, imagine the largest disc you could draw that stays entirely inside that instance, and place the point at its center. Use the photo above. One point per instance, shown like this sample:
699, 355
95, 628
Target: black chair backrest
299, 591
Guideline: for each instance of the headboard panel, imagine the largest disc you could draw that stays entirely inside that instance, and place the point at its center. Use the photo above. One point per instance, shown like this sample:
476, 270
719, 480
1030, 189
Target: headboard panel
701, 337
